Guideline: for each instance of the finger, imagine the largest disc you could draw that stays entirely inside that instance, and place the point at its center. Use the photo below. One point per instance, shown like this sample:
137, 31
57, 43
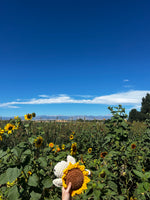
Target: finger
69, 187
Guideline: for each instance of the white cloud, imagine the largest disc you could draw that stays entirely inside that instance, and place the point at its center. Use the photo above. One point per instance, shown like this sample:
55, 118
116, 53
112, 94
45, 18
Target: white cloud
133, 97
126, 80
43, 95
84, 96
127, 86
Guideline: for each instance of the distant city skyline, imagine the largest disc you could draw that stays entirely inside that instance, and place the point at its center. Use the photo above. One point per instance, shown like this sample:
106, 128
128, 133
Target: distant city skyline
73, 57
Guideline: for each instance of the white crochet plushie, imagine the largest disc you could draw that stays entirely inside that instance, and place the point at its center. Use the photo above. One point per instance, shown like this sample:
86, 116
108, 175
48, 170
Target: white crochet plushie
59, 168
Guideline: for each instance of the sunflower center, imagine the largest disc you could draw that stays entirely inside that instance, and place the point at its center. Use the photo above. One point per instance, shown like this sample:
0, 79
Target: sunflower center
10, 128
74, 148
75, 176
38, 141
29, 116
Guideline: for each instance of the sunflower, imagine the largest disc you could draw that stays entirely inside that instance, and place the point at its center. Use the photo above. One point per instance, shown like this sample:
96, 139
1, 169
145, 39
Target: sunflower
77, 175
15, 117
1, 131
9, 127
103, 154
16, 127
102, 174
133, 146
132, 198
33, 114
63, 146
29, 173
73, 132
51, 145
1, 138
71, 137
58, 149
38, 141
89, 150
28, 116
74, 148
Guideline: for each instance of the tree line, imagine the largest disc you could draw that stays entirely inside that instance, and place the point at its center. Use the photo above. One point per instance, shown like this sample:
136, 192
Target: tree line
144, 113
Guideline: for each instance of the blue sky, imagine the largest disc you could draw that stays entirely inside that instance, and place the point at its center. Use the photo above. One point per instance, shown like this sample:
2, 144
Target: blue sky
73, 57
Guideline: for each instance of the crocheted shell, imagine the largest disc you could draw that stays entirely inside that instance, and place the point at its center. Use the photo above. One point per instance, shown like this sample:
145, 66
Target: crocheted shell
59, 167
57, 182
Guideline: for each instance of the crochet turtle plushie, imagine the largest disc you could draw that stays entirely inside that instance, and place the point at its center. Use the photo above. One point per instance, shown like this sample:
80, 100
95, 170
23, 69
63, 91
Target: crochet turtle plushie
59, 170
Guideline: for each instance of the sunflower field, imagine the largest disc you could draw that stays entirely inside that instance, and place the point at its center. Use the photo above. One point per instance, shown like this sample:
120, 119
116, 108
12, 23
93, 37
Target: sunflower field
116, 152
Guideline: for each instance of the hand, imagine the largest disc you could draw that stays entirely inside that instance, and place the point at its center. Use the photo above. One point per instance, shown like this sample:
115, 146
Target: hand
66, 193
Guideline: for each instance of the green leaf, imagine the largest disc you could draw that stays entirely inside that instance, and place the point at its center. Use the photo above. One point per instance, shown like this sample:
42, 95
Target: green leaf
140, 189
31, 139
146, 185
139, 174
47, 182
42, 161
97, 194
35, 196
12, 174
27, 152
17, 151
26, 125
3, 178
33, 180
100, 186
22, 144
2, 153
147, 175
121, 197
112, 185
13, 193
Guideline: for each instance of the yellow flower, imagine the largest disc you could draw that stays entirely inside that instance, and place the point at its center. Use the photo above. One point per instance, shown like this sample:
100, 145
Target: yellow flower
103, 154
1, 131
38, 141
71, 137
16, 127
15, 117
51, 145
77, 175
73, 132
29, 173
63, 147
133, 146
57, 149
143, 170
1, 138
89, 150
9, 127
28, 116
74, 148
11, 184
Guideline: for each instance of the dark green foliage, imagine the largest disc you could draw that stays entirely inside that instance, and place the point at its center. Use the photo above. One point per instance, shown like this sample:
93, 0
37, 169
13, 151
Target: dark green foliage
135, 115
145, 104
119, 160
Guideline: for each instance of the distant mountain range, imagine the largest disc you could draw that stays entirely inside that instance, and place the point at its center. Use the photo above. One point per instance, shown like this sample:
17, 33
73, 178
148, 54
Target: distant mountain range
61, 117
